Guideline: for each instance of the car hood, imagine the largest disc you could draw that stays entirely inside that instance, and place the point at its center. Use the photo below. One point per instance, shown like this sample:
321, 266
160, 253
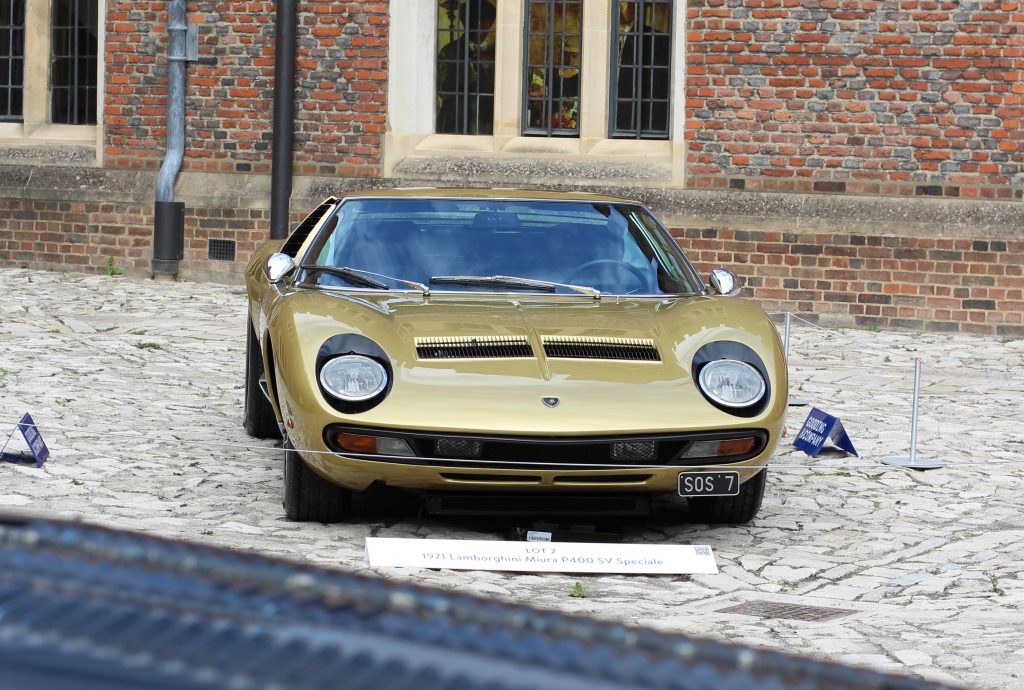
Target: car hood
499, 394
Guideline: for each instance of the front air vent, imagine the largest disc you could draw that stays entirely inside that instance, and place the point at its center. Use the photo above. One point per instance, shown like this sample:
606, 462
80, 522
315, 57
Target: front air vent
474, 347
585, 347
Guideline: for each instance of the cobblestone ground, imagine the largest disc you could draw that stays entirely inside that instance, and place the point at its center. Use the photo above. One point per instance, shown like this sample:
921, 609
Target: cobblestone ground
136, 386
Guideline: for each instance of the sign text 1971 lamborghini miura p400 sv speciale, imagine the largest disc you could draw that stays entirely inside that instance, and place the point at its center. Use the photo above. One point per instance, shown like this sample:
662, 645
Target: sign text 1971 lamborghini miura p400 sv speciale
513, 351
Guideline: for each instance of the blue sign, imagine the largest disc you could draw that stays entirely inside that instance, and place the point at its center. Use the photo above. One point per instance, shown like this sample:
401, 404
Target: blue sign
820, 428
34, 439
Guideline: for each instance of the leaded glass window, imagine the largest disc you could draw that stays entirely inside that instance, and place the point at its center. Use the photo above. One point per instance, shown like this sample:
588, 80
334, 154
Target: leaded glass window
466, 42
554, 42
12, 59
73, 66
641, 70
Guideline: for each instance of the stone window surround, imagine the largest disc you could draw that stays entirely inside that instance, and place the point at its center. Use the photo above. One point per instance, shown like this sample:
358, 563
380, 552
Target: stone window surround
35, 128
411, 100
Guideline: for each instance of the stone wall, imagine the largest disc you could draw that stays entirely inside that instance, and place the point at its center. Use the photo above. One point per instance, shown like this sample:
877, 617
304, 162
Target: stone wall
893, 97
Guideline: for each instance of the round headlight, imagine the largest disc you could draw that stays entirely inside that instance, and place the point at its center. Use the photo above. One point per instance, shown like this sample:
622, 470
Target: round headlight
353, 377
732, 383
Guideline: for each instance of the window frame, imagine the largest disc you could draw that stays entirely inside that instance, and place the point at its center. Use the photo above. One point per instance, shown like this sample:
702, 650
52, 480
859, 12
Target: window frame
7, 90
410, 142
468, 102
614, 73
36, 126
77, 85
549, 101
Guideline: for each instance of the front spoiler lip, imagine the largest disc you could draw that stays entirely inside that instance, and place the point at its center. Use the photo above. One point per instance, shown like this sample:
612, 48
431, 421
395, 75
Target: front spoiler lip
472, 463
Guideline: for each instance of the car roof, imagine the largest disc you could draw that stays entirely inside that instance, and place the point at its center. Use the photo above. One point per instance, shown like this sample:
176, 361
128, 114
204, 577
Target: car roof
487, 193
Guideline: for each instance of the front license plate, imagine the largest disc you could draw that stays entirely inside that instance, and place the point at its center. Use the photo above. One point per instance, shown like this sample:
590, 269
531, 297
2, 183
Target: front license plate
709, 484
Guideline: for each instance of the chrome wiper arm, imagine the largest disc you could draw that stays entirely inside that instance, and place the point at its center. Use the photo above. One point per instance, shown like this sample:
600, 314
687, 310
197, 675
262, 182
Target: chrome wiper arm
496, 281
513, 282
363, 277
349, 274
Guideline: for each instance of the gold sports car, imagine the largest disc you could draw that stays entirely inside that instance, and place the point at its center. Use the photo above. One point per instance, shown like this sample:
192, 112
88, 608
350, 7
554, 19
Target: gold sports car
507, 351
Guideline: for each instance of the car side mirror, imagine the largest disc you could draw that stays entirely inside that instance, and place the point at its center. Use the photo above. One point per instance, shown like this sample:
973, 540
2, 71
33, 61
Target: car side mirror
278, 266
724, 282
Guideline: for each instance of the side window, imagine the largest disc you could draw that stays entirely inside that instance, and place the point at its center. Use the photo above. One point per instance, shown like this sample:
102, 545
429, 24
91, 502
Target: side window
641, 70
554, 43
466, 44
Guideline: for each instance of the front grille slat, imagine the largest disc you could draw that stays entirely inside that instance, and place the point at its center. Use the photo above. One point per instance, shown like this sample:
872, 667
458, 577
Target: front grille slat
586, 347
474, 347
520, 452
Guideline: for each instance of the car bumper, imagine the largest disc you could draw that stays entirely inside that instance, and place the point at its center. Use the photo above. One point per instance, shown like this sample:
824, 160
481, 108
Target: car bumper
545, 470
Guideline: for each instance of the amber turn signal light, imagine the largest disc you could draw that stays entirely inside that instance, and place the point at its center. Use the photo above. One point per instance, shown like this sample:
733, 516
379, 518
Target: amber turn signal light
357, 443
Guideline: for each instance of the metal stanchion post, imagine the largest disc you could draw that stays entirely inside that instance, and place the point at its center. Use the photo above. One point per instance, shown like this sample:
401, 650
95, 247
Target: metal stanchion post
914, 462
793, 402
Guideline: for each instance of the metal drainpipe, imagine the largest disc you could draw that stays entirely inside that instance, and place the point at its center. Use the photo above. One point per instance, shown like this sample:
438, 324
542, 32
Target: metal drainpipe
284, 117
169, 216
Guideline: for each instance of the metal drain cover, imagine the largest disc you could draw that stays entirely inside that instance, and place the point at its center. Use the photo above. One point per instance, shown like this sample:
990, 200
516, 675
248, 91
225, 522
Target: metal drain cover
797, 612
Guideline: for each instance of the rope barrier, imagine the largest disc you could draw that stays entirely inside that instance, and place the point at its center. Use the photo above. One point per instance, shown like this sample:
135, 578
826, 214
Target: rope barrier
853, 465
858, 465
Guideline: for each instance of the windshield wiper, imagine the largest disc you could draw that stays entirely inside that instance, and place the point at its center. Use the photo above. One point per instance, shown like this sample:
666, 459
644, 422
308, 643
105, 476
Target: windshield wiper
349, 274
361, 277
512, 282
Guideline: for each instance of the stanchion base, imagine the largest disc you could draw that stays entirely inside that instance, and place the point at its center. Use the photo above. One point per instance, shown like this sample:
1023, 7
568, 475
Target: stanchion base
798, 402
916, 464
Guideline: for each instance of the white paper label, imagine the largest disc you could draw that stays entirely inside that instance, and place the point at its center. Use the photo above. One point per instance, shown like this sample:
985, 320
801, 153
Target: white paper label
550, 557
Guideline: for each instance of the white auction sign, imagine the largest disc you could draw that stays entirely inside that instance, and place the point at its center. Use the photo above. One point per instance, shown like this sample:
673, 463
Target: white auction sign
541, 557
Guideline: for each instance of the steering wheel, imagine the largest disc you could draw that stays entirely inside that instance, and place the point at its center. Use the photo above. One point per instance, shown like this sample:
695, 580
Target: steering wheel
616, 263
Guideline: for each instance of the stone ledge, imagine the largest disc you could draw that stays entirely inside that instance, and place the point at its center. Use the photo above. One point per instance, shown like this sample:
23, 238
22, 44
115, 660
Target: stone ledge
76, 184
548, 170
48, 154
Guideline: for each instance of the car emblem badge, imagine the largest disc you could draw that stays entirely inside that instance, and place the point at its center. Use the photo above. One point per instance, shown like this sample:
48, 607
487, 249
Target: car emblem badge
550, 402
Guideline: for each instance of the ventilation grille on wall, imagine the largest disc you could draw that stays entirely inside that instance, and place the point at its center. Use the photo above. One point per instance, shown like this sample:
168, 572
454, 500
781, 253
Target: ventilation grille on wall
221, 250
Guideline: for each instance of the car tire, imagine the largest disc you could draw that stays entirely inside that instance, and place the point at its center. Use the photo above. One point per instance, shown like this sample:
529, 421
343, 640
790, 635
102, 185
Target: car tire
731, 510
308, 497
259, 419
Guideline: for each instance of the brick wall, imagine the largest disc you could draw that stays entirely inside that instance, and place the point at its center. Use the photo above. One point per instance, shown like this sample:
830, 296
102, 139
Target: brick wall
858, 96
867, 280
858, 278
73, 235
341, 87
99, 237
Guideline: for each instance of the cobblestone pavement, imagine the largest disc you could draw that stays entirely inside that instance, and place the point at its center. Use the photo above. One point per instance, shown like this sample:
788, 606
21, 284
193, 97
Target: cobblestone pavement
136, 386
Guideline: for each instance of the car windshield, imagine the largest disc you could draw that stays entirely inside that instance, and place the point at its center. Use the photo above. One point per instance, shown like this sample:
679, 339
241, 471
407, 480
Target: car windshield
490, 245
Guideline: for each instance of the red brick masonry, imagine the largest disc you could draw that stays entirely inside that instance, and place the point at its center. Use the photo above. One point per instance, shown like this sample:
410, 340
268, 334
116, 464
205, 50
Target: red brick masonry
341, 91
940, 284
907, 97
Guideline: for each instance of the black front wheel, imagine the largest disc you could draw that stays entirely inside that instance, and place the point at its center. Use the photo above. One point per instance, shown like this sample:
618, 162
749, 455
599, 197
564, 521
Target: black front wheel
308, 497
259, 420
731, 510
